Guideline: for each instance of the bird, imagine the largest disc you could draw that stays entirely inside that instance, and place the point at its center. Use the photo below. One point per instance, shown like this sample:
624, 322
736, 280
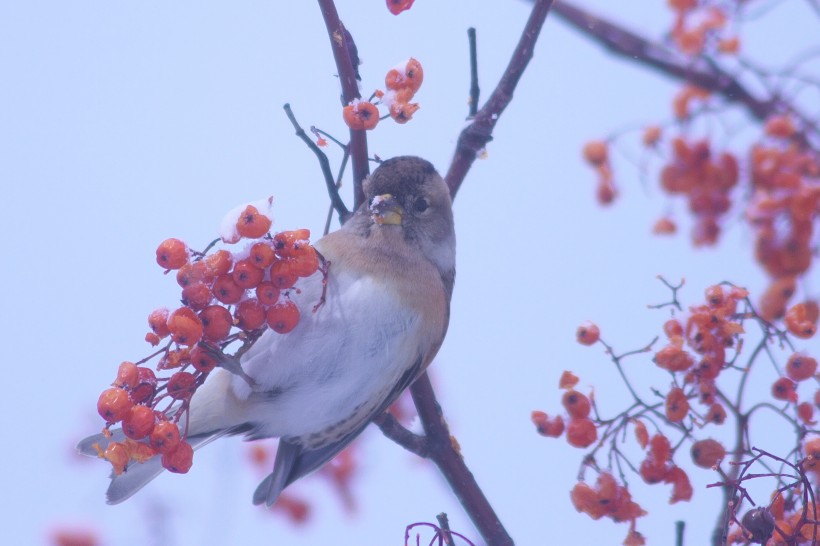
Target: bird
385, 312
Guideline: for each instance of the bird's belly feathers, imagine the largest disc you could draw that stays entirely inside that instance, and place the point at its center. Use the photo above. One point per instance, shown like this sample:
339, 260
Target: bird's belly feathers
338, 364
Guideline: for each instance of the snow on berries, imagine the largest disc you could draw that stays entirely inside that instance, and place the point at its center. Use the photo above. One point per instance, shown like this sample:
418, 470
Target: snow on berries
401, 83
228, 295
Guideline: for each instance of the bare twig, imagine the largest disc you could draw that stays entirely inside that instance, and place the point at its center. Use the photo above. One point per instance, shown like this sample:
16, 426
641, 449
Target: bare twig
341, 43
477, 134
332, 190
391, 428
475, 91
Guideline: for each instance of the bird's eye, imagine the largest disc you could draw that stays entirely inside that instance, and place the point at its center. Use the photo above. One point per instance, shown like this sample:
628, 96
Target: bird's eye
421, 204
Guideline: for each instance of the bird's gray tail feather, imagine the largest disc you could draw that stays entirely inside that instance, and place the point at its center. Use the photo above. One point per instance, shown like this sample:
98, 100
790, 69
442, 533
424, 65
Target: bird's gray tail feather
137, 475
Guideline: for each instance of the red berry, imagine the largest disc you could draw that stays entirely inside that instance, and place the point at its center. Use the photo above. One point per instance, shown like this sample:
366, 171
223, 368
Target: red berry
181, 385
216, 322
784, 389
677, 405
117, 454
202, 359
587, 333
127, 375
281, 274
172, 254
252, 224
800, 367
246, 275
266, 293
581, 432
250, 314
138, 423
226, 290
197, 295
576, 404
185, 326
146, 386
219, 263
262, 254
180, 459
165, 436
707, 453
158, 320
283, 316
361, 115
548, 427
114, 404
397, 6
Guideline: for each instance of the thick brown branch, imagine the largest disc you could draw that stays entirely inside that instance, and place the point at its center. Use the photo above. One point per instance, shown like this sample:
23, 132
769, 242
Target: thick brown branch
341, 43
391, 428
477, 134
444, 452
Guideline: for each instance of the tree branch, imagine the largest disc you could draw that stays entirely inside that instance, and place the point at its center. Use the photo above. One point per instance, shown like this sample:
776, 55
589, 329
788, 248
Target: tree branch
703, 72
391, 428
477, 134
341, 43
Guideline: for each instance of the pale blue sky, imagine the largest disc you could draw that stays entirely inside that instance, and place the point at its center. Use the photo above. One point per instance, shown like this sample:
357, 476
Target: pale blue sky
123, 123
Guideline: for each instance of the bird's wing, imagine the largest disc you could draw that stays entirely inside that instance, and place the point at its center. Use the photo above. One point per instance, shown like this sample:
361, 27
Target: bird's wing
294, 459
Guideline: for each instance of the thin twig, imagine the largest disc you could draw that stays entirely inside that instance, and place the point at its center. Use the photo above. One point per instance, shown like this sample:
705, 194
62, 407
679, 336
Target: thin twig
394, 430
477, 134
475, 91
446, 535
332, 190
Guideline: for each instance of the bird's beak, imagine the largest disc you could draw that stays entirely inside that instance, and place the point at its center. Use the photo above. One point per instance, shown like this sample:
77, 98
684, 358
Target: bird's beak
386, 210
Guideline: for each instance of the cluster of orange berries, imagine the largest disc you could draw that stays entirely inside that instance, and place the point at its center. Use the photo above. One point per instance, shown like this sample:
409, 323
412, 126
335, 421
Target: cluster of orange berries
581, 431
596, 153
705, 181
784, 207
225, 297
401, 83
699, 27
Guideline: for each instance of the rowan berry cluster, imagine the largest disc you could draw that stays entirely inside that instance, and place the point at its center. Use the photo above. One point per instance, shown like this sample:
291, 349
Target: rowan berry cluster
702, 27
701, 353
401, 84
226, 296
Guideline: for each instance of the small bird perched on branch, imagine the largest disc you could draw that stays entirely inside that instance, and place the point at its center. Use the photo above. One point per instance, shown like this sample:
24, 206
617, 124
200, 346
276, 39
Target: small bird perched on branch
385, 313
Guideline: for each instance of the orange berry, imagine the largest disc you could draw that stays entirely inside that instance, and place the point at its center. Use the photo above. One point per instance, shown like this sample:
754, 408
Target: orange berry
800, 367
664, 226
152, 338
707, 453
652, 470
158, 320
547, 427
587, 333
605, 192
651, 136
585, 500
595, 152
139, 451
165, 436
402, 112
682, 487
117, 454
127, 375
801, 319
287, 242
138, 423
197, 295
682, 5
672, 328
568, 380
144, 392
216, 322
784, 389
250, 314
581, 432
361, 115
192, 272
716, 414
266, 293
172, 254
283, 316
677, 405
185, 326
282, 275
262, 255
306, 264
729, 46
674, 359
805, 411
246, 275
715, 296
641, 434
202, 359
414, 74
218, 263
776, 297
226, 290
252, 224
181, 385
114, 404
180, 459
576, 404
780, 126
659, 448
